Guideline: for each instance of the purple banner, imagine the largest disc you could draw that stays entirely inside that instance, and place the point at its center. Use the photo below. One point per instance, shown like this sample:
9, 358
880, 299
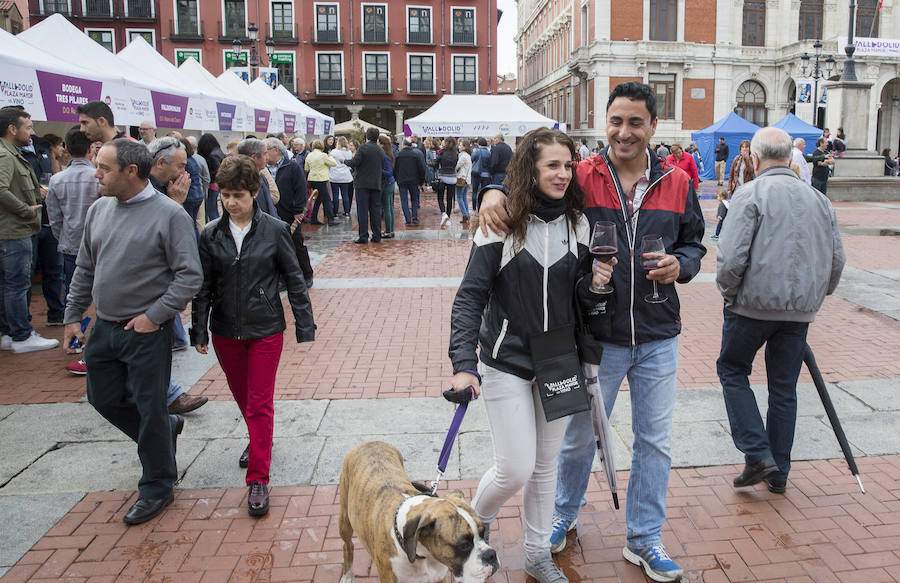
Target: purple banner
226, 116
327, 127
63, 94
170, 110
290, 123
310, 125
261, 120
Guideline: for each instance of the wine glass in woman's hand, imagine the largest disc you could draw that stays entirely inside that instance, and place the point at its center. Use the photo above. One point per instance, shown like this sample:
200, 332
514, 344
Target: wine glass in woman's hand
603, 247
652, 250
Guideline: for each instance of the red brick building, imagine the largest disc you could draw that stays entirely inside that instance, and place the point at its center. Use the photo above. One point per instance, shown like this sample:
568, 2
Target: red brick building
112, 23
384, 61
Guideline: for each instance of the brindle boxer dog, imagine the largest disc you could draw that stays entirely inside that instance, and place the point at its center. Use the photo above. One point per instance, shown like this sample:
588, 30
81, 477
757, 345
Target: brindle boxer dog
412, 537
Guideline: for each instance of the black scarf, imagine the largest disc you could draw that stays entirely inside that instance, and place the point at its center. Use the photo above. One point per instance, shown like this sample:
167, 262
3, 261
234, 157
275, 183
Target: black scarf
548, 209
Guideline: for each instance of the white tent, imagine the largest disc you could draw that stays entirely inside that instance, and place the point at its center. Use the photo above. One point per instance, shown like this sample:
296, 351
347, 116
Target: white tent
49, 88
146, 97
266, 114
324, 123
298, 117
345, 128
478, 115
240, 115
203, 109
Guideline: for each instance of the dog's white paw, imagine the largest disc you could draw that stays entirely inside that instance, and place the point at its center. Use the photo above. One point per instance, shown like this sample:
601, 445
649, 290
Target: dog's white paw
347, 577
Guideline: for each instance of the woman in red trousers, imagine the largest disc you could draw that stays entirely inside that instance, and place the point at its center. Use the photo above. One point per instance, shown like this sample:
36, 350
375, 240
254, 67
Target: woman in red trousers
245, 254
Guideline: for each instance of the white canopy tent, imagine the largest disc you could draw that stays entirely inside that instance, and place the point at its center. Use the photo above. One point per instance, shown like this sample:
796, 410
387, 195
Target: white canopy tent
49, 88
324, 123
266, 115
478, 115
203, 111
143, 97
298, 117
241, 114
351, 126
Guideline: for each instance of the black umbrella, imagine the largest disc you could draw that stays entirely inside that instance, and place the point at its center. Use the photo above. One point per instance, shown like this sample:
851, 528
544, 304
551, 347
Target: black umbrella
810, 361
602, 431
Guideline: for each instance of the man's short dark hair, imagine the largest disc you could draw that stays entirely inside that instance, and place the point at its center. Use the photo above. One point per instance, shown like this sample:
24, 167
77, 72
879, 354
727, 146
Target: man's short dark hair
130, 152
11, 115
482, 142
97, 109
372, 134
637, 92
821, 141
77, 143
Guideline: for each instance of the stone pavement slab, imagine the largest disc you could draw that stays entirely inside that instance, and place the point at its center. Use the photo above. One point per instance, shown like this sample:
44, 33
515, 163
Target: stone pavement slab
25, 518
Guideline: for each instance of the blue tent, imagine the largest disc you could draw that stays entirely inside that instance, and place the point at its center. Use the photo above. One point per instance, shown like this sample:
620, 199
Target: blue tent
734, 129
798, 128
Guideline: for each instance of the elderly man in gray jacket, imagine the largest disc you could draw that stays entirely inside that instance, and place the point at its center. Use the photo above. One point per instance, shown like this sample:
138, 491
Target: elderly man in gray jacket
779, 255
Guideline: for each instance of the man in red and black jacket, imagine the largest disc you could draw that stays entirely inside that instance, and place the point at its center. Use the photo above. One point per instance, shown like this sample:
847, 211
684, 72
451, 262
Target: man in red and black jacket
629, 185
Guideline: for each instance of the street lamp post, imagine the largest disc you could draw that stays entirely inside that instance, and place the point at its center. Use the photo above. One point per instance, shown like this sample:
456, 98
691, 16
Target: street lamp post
850, 65
817, 73
253, 36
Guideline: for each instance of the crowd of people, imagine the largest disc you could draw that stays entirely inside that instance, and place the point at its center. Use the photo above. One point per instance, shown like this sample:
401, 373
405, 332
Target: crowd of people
222, 231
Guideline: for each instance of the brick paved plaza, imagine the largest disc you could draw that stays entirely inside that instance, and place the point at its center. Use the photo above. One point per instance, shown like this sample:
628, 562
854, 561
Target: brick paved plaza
383, 335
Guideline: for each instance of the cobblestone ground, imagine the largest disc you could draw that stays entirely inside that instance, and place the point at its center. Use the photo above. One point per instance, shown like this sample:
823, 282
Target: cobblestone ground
390, 342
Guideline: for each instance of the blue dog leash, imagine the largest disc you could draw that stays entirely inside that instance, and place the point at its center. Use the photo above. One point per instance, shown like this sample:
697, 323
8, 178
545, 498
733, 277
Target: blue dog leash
462, 399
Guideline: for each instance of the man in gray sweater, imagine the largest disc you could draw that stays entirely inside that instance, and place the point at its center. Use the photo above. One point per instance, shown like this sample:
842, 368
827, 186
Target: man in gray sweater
780, 254
138, 262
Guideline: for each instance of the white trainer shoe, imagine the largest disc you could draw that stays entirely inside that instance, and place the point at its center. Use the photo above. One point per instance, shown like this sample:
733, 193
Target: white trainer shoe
33, 343
444, 219
6, 342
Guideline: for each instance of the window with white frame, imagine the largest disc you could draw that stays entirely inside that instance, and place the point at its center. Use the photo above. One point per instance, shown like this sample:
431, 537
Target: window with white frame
463, 31
421, 73
105, 37
147, 34
377, 76
663, 86
235, 17
97, 8
327, 23
186, 17
418, 25
282, 20
465, 74
330, 72
182, 55
374, 21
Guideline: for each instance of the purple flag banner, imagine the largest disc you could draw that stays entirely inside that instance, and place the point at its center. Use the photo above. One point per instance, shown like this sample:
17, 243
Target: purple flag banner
327, 127
310, 125
63, 94
261, 120
170, 110
226, 116
290, 123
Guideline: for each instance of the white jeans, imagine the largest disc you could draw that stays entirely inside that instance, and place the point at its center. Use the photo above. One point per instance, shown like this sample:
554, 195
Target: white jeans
525, 451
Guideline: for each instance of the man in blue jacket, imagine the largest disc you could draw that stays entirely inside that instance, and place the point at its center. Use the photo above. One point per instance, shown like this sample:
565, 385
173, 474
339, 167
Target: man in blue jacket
627, 184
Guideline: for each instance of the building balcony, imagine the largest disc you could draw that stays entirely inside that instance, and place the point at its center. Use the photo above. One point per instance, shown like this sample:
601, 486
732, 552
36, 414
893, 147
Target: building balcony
375, 37
421, 87
99, 9
231, 33
139, 10
377, 86
186, 34
463, 39
285, 35
326, 36
464, 87
330, 87
50, 7
419, 38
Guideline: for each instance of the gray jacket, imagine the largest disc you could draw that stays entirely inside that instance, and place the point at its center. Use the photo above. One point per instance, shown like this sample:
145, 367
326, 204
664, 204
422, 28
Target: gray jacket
780, 250
71, 194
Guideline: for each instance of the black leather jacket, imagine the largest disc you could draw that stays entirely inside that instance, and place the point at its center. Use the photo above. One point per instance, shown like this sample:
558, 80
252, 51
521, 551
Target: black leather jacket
239, 296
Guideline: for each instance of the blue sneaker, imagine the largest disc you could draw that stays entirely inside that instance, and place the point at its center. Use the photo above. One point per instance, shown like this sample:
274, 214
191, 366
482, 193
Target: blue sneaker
561, 527
656, 562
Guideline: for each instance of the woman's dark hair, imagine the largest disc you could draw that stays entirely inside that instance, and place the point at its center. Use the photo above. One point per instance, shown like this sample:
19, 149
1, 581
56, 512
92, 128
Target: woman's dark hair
238, 173
521, 180
206, 144
886, 152
330, 143
188, 147
466, 146
385, 143
52, 140
637, 92
450, 143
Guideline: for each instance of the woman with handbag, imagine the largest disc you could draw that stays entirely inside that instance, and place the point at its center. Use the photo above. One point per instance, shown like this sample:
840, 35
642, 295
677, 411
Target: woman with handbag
245, 255
463, 175
508, 301
388, 185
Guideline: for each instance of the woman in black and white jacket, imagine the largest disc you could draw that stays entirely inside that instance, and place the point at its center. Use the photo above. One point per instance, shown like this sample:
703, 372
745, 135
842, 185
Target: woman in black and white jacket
516, 286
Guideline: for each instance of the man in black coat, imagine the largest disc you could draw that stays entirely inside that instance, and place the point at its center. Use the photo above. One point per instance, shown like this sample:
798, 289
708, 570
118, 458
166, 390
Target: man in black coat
501, 154
409, 172
368, 162
291, 205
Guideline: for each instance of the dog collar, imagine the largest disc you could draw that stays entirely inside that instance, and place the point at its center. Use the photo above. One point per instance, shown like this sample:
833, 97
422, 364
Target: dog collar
397, 534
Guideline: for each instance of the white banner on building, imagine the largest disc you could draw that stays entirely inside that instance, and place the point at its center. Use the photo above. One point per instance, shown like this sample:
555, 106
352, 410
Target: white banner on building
871, 47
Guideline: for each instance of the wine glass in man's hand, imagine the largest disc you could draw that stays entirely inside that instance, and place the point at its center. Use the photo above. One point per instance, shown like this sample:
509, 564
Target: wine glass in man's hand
652, 250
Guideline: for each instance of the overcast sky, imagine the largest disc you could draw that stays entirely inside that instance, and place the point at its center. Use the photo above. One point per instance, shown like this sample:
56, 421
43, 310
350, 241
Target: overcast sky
506, 48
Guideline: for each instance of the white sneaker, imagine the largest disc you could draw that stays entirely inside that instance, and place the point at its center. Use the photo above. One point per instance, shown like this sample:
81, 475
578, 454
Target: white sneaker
34, 343
6, 342
444, 219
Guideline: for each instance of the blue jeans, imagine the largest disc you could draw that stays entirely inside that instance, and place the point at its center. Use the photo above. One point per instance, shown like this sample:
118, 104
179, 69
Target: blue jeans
461, 200
651, 368
409, 193
47, 257
340, 191
15, 270
68, 270
742, 337
173, 392
387, 206
181, 338
212, 205
193, 209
